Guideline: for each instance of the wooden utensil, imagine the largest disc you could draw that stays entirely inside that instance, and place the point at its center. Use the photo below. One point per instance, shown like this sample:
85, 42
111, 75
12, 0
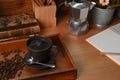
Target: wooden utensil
36, 2
41, 2
49, 2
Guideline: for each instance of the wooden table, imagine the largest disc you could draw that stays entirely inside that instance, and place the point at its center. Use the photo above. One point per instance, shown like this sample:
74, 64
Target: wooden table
90, 63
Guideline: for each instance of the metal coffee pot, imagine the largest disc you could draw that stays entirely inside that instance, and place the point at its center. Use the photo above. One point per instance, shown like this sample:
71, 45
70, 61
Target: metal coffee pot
78, 23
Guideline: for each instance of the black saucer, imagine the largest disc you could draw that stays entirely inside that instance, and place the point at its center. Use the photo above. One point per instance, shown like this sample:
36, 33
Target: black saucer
36, 66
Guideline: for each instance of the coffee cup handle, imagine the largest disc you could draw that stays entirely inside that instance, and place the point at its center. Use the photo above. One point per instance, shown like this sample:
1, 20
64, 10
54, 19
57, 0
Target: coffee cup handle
55, 49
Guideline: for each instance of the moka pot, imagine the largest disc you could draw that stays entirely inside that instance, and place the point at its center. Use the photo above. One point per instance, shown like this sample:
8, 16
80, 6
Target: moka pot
78, 23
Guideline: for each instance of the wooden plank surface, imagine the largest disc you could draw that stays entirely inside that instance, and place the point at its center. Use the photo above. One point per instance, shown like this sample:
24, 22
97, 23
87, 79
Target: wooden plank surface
90, 63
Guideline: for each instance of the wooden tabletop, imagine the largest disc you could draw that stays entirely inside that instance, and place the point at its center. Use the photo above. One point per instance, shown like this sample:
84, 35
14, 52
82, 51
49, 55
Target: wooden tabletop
90, 63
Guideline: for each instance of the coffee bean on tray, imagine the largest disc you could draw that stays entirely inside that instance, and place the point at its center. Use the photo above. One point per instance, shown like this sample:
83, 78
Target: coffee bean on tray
10, 67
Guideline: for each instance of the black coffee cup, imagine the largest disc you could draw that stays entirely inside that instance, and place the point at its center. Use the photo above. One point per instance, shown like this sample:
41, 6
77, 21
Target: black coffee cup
39, 48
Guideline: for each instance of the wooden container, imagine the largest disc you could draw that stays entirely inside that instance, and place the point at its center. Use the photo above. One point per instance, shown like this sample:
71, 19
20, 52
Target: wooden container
65, 67
46, 15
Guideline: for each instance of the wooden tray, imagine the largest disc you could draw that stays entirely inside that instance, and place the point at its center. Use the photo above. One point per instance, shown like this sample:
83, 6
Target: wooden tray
65, 67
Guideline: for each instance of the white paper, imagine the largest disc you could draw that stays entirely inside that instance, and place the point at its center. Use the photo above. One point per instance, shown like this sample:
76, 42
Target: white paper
106, 41
115, 58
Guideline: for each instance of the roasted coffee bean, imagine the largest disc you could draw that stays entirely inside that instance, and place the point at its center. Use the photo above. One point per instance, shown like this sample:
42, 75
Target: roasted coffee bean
11, 51
15, 51
24, 52
2, 53
5, 54
19, 50
19, 74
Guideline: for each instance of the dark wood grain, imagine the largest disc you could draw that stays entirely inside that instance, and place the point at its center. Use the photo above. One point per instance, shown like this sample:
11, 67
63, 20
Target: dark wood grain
11, 7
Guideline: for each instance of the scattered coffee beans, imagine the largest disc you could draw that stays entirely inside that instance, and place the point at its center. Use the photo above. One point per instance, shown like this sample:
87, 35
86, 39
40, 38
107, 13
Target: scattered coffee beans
9, 68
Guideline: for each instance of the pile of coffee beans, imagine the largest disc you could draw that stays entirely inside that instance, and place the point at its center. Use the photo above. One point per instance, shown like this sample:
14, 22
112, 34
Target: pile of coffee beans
10, 67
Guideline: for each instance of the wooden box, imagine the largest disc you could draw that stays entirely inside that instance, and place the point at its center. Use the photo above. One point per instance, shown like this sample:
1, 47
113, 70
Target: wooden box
46, 15
65, 67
